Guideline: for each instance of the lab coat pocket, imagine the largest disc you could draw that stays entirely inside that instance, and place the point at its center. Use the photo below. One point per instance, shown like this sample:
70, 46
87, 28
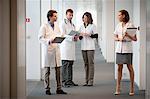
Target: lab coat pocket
51, 47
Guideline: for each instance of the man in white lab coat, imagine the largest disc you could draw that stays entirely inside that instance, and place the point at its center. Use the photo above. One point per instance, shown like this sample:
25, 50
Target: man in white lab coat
50, 50
68, 50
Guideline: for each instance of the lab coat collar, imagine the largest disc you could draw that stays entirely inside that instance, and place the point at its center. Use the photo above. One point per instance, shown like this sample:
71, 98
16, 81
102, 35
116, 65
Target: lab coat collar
68, 21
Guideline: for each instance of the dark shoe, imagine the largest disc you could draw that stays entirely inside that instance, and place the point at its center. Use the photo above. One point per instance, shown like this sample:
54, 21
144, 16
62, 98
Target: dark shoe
85, 85
90, 85
72, 84
75, 84
48, 92
60, 92
66, 86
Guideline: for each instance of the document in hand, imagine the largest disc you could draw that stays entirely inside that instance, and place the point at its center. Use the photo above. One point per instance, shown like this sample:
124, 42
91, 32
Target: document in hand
131, 31
58, 39
72, 32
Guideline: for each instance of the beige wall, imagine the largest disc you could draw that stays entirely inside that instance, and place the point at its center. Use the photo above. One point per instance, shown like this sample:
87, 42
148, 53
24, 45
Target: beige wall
21, 79
12, 49
18, 49
5, 54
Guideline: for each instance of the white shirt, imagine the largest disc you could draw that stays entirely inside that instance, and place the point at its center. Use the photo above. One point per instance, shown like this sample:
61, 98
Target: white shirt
123, 47
67, 47
88, 43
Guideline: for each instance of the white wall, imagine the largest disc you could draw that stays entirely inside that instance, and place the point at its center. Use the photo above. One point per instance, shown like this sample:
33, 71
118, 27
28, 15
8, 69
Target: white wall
143, 45
99, 21
32, 44
107, 43
140, 46
123, 4
136, 48
45, 7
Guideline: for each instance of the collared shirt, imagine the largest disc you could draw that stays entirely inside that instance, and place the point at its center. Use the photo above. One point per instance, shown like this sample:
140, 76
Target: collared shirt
51, 24
125, 46
88, 43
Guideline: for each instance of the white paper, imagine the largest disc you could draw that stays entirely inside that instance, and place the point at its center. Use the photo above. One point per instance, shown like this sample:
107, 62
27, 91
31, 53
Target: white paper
131, 32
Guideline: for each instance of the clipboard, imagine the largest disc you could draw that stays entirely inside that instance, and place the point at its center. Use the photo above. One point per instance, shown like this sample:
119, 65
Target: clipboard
131, 31
58, 39
72, 32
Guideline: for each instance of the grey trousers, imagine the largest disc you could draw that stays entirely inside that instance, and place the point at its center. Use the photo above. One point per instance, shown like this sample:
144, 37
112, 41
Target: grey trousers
47, 77
88, 57
67, 71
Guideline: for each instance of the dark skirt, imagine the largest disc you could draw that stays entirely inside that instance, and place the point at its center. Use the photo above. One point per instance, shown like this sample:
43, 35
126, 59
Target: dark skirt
124, 58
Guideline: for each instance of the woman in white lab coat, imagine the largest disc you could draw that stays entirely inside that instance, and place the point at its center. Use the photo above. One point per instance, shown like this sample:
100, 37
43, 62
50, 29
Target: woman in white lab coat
88, 47
50, 50
124, 49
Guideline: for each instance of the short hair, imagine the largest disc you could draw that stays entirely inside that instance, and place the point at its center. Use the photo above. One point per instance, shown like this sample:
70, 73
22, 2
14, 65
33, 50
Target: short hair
69, 10
89, 16
127, 17
50, 14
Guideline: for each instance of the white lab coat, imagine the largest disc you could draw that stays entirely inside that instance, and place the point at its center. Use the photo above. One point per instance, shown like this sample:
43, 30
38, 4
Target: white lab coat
123, 47
50, 53
88, 43
67, 47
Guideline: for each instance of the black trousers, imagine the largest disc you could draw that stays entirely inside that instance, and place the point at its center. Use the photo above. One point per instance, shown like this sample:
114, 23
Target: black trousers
67, 73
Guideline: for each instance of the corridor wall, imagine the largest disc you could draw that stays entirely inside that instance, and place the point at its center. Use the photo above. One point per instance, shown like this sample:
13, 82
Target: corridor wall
4, 49
33, 58
148, 51
107, 42
139, 62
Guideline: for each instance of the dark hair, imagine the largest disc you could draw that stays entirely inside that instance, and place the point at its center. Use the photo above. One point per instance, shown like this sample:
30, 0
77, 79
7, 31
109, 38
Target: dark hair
127, 17
50, 14
89, 16
69, 10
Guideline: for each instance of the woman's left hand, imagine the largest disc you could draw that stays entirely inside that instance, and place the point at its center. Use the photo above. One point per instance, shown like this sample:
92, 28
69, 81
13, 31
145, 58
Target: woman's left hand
131, 37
